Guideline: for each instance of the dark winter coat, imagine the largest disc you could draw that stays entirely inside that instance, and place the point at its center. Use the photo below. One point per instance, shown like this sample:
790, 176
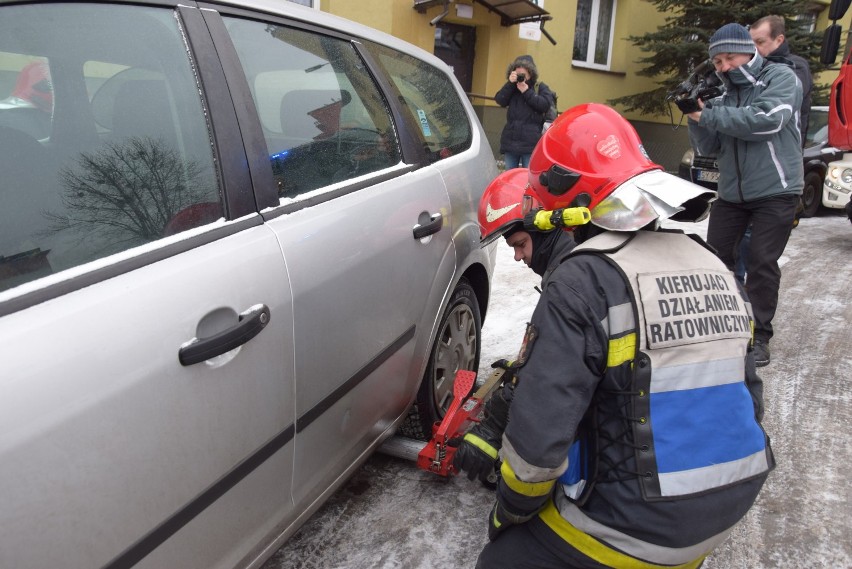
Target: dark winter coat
525, 114
803, 72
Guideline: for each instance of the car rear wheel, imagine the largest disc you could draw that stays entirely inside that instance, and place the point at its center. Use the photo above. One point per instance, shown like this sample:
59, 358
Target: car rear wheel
812, 194
456, 347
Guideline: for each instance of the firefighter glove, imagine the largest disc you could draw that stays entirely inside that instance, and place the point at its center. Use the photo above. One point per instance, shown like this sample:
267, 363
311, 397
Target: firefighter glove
498, 521
476, 456
509, 366
477, 451
501, 516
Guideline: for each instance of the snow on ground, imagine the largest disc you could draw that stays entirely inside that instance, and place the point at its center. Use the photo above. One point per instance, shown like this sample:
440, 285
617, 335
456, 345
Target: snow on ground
392, 515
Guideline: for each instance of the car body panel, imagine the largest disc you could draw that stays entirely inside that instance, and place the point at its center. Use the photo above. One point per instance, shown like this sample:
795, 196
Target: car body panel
126, 419
340, 303
116, 454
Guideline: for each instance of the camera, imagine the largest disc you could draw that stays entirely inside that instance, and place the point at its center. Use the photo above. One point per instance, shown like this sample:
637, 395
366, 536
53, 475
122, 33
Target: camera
521, 77
702, 84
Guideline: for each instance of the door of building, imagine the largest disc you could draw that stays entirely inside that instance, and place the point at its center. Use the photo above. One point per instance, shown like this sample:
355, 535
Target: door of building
455, 46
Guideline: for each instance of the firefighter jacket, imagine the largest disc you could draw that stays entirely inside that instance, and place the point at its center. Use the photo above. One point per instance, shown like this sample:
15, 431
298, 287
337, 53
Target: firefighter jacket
753, 129
639, 351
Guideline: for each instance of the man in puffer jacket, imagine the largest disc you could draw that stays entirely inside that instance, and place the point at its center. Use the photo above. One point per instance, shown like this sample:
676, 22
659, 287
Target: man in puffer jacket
528, 101
753, 130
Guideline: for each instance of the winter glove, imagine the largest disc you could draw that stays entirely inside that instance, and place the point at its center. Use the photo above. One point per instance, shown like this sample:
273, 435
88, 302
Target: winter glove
502, 516
509, 366
476, 456
477, 450
498, 521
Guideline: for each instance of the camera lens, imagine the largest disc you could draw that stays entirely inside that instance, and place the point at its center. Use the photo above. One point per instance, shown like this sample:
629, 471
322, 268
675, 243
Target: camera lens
522, 77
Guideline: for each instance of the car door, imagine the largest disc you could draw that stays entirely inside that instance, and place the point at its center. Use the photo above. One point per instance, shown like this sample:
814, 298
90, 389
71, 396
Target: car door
146, 318
364, 236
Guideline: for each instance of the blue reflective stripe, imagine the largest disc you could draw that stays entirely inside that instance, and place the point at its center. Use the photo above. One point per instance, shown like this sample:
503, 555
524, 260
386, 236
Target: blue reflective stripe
575, 471
702, 427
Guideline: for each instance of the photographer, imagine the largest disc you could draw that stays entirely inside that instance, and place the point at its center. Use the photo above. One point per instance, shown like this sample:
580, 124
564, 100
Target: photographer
768, 34
753, 130
527, 105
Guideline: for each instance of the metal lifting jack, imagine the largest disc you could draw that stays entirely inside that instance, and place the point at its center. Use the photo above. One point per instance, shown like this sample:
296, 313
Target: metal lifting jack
437, 456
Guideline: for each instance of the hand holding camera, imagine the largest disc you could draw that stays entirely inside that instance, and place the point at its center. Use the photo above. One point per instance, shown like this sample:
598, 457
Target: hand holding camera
703, 83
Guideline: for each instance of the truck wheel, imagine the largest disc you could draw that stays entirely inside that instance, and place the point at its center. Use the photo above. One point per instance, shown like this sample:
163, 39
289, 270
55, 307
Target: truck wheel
456, 347
812, 194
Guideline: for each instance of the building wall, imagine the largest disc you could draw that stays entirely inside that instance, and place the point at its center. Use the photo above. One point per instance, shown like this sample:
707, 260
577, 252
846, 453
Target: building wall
497, 46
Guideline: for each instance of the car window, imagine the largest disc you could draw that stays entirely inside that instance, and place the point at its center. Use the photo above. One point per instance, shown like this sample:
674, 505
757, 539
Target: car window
817, 126
104, 144
323, 117
431, 99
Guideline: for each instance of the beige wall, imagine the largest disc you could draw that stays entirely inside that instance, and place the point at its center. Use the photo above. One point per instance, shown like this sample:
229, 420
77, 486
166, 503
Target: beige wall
497, 46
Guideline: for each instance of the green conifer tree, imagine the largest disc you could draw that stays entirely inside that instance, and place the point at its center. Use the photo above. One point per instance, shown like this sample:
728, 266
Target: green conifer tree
680, 44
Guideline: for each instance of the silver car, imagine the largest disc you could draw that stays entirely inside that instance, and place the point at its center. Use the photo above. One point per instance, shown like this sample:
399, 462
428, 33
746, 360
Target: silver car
238, 250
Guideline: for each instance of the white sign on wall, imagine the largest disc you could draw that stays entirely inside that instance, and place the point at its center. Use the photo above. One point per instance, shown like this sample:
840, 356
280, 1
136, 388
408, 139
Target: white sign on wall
464, 11
532, 30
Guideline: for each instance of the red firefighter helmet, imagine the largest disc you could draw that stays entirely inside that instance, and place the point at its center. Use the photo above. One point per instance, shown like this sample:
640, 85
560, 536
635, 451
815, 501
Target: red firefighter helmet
504, 203
591, 156
33, 86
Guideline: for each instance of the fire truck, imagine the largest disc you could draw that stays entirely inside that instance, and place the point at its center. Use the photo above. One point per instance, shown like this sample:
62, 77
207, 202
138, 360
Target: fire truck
837, 187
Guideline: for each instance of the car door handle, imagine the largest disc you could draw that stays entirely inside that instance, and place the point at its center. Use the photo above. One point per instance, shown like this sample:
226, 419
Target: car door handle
434, 226
251, 322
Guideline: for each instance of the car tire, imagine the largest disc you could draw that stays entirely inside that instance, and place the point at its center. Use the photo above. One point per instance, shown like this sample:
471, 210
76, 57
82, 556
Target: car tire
812, 194
457, 345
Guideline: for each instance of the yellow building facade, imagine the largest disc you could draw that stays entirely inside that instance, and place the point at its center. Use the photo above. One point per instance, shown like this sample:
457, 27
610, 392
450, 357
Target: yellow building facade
475, 40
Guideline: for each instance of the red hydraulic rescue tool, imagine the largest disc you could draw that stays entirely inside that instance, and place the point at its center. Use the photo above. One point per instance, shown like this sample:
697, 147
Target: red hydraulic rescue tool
463, 413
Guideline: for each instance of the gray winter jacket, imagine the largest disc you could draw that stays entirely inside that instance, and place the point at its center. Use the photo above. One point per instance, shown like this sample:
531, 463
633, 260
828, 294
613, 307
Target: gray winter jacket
753, 130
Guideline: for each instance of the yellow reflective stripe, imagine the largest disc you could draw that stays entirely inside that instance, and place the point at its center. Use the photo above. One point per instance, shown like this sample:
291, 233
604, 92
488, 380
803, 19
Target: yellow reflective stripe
495, 521
621, 350
480, 443
597, 550
524, 488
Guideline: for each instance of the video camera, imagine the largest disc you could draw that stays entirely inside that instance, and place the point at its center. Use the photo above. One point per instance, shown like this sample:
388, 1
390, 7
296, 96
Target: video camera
702, 84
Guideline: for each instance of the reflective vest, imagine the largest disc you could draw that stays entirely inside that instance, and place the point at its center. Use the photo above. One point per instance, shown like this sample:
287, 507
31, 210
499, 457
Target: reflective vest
682, 341
695, 418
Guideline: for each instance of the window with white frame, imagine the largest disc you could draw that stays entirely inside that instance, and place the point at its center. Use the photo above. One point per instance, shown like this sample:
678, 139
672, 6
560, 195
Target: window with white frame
308, 3
593, 33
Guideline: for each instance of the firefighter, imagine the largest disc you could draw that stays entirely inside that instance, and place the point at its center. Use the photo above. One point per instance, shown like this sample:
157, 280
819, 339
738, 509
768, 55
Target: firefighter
501, 212
502, 208
634, 435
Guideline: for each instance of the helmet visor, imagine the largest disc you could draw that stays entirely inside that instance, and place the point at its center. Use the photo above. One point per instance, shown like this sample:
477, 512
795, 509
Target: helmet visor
652, 196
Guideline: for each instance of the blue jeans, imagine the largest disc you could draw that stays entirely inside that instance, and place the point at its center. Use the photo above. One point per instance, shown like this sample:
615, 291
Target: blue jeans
516, 160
